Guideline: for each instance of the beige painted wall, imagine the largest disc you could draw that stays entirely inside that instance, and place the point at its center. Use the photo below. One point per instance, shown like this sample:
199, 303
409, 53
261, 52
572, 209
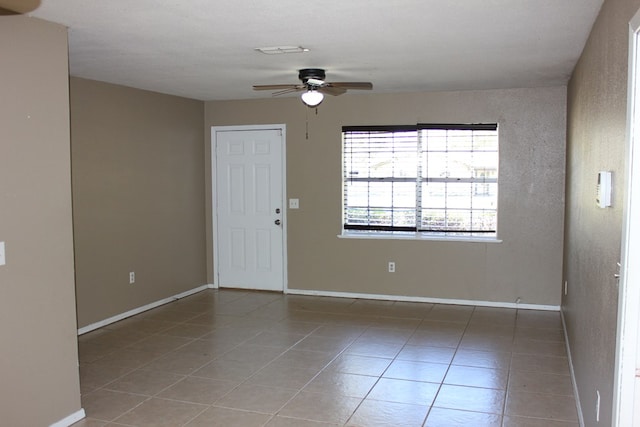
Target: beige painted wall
39, 359
527, 265
138, 197
597, 98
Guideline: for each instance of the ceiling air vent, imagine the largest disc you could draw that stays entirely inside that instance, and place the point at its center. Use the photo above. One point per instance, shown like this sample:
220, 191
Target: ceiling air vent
277, 50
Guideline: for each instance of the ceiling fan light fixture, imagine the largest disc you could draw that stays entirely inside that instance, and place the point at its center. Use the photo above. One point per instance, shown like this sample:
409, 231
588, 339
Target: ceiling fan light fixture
312, 98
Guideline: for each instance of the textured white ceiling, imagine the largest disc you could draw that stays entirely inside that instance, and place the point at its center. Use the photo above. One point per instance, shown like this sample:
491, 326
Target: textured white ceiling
204, 49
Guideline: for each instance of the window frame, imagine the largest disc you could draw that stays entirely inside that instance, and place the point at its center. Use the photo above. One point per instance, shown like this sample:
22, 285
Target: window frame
416, 231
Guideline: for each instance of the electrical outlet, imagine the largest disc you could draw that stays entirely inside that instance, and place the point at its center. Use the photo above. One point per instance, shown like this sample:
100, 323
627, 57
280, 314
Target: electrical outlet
392, 267
566, 287
294, 203
132, 277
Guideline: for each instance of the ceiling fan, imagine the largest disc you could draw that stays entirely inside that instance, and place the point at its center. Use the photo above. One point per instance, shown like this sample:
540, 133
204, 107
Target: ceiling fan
18, 7
314, 86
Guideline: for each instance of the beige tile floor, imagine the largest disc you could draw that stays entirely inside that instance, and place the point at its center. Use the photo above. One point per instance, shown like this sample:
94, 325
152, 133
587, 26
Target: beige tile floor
240, 358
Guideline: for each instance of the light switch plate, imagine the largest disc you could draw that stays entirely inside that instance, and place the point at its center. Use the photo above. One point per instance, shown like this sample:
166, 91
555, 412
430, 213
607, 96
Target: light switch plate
294, 203
2, 258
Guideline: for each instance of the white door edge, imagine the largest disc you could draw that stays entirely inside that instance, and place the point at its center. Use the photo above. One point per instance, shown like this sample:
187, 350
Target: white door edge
214, 223
629, 288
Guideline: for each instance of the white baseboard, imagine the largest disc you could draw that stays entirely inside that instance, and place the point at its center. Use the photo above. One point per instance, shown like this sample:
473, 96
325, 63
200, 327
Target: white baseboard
571, 371
70, 420
164, 301
139, 310
424, 299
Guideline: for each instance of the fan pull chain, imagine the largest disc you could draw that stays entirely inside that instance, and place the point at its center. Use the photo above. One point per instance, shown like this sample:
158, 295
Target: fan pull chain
307, 122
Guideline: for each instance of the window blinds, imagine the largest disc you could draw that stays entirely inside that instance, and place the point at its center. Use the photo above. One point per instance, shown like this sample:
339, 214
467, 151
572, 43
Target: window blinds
425, 177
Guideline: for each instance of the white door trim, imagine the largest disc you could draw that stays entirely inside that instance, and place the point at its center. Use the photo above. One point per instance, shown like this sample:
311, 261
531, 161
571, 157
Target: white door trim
214, 216
629, 290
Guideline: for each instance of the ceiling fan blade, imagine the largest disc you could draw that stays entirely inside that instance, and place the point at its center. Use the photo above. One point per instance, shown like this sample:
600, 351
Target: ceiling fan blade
315, 82
335, 91
274, 87
352, 85
288, 90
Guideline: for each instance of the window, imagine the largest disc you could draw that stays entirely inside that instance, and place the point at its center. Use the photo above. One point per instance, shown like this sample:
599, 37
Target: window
426, 178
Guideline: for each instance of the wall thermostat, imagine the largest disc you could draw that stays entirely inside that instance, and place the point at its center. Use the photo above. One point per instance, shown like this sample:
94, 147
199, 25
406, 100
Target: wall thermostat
603, 189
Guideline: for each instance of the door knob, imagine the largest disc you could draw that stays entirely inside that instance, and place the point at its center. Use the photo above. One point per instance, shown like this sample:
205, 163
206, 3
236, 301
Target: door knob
277, 222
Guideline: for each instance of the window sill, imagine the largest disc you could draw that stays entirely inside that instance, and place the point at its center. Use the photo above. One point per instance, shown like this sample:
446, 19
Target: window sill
403, 235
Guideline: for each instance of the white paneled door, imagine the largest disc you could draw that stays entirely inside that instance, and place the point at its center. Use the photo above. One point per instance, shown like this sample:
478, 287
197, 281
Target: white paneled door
249, 207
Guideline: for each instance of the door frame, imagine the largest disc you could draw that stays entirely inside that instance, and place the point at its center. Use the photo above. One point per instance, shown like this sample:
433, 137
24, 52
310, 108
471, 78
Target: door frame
214, 195
627, 337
